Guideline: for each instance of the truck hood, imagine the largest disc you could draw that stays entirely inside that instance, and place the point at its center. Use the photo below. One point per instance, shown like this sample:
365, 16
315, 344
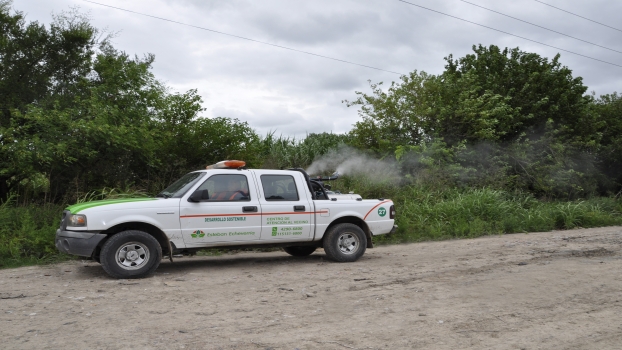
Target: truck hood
119, 204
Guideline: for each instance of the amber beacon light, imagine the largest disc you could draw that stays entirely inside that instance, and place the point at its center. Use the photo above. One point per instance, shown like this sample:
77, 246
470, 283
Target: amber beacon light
227, 164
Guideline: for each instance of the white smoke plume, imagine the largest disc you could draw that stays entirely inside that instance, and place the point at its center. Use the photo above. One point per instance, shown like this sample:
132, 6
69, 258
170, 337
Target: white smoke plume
349, 161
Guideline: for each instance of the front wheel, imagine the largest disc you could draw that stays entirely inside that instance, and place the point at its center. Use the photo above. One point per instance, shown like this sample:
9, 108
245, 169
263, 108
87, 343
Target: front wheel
299, 251
131, 254
345, 243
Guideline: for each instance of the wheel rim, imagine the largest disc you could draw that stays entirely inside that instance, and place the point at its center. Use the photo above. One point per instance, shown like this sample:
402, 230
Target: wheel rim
348, 243
132, 256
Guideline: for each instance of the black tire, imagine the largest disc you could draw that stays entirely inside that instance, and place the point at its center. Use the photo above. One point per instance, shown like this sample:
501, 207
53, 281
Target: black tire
345, 243
299, 251
145, 258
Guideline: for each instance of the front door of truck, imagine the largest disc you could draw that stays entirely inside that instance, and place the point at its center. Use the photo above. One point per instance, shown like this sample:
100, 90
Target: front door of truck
228, 211
286, 211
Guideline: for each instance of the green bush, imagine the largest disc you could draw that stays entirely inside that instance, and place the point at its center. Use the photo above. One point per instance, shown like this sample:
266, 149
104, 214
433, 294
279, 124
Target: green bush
27, 234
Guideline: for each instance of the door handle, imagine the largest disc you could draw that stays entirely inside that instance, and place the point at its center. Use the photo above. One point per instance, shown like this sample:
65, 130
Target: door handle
299, 208
251, 209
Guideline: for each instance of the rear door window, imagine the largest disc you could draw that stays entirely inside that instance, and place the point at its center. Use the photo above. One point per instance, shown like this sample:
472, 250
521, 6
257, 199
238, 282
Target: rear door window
279, 188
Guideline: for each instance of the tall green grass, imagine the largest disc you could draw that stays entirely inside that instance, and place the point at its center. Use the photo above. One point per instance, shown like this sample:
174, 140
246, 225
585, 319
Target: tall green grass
468, 213
288, 152
27, 234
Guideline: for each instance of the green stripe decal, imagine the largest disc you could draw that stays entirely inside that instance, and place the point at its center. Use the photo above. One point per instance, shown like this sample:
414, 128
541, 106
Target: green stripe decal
74, 209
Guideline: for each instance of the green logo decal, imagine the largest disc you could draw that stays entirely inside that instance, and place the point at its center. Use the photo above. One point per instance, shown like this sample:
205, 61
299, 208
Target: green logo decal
382, 211
274, 229
197, 234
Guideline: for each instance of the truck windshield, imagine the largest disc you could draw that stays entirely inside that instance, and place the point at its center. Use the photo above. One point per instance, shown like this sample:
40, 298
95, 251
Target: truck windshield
181, 186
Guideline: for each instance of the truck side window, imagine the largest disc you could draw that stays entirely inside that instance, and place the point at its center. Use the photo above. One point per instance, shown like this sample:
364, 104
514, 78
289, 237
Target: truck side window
279, 188
226, 188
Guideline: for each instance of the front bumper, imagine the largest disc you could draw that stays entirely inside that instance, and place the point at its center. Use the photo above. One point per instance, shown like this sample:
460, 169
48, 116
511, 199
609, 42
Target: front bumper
78, 242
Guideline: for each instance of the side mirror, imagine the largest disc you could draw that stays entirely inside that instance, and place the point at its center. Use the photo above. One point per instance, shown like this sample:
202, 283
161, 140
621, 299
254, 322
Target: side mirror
199, 196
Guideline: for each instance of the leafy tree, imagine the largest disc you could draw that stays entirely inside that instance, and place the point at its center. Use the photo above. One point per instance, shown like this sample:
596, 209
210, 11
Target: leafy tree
609, 109
395, 117
37, 67
85, 116
487, 108
491, 95
525, 92
197, 142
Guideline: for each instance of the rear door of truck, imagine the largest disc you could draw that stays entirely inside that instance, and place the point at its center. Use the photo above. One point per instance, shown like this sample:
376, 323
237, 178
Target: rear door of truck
285, 205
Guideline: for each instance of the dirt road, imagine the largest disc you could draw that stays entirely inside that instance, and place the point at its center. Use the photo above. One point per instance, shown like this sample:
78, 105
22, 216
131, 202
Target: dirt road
552, 290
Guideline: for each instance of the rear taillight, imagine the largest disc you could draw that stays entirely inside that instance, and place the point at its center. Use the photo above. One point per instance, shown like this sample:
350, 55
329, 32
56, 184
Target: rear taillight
392, 212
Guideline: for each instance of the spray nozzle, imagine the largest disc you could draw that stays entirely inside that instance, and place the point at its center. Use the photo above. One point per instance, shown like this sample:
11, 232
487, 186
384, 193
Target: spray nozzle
334, 176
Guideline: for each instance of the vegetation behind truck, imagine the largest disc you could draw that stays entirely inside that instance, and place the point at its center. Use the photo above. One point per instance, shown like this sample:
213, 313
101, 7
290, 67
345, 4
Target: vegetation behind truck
224, 206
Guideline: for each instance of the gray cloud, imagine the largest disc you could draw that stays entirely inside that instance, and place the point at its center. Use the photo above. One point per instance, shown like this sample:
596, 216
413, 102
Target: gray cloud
271, 87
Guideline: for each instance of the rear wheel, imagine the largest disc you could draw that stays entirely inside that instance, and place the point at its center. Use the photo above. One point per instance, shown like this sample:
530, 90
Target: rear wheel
299, 251
131, 254
345, 243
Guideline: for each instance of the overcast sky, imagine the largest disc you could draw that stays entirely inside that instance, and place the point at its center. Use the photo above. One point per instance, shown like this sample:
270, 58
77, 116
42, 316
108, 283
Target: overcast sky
293, 93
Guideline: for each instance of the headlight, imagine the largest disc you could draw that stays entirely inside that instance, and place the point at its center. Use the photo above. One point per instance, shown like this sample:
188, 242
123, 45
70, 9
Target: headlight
76, 220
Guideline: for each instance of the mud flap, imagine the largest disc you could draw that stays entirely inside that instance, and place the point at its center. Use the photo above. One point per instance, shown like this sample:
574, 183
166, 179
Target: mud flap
170, 249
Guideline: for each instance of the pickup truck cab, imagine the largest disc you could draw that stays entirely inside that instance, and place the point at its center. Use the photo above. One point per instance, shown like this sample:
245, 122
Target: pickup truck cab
224, 206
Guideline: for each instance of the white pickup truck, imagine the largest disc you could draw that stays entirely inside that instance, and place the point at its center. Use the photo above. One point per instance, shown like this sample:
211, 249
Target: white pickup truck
224, 206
